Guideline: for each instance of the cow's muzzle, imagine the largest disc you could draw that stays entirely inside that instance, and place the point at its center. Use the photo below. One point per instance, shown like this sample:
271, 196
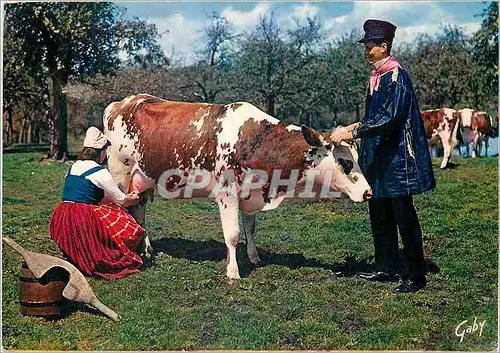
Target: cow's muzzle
368, 194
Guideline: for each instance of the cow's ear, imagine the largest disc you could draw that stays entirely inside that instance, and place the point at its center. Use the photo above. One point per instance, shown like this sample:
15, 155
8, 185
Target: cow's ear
312, 137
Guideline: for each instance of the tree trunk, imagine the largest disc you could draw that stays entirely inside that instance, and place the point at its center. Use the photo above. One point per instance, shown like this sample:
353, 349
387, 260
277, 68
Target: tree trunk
4, 130
270, 102
90, 118
29, 137
34, 132
59, 125
54, 119
39, 133
63, 142
301, 113
212, 58
9, 126
22, 132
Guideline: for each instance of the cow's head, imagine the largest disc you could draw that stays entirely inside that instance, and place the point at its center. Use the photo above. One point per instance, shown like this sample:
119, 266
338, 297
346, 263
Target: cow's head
342, 160
466, 115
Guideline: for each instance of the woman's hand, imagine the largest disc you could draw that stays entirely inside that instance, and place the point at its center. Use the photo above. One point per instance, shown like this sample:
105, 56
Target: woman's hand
132, 199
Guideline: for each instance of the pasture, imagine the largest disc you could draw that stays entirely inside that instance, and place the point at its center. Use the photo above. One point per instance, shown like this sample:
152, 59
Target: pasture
306, 295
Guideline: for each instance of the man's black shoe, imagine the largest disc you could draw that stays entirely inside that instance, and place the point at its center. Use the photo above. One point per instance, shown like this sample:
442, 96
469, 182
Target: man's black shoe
410, 286
379, 276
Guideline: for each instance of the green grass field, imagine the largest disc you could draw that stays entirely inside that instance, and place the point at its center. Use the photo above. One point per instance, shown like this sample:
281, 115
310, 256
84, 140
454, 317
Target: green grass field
305, 296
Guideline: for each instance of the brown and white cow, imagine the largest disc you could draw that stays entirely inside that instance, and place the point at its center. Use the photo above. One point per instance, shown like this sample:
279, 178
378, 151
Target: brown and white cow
150, 136
441, 126
475, 128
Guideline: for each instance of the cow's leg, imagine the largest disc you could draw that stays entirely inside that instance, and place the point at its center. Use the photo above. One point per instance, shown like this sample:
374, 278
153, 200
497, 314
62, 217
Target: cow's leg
482, 142
486, 145
431, 152
474, 145
249, 227
121, 173
139, 213
447, 142
432, 143
472, 150
228, 208
446, 153
466, 140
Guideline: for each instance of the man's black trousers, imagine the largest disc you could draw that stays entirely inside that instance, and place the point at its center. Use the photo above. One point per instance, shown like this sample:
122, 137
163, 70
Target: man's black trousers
387, 215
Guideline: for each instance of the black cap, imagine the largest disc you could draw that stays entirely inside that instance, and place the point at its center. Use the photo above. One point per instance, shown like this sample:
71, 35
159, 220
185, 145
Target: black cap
377, 30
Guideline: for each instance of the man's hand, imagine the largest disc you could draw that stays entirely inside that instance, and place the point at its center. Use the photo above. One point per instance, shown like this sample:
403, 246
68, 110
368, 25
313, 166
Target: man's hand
341, 135
352, 126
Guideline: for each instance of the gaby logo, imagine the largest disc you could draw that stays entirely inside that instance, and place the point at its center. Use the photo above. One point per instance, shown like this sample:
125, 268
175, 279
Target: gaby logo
172, 181
463, 329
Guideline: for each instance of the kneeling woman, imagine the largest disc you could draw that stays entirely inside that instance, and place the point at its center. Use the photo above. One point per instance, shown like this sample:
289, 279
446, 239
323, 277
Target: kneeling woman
91, 225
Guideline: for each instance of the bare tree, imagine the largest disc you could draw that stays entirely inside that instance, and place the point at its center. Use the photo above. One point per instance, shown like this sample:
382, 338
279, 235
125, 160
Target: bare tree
206, 80
270, 62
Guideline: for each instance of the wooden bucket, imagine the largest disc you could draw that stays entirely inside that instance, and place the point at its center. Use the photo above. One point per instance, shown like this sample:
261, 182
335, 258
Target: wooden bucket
43, 297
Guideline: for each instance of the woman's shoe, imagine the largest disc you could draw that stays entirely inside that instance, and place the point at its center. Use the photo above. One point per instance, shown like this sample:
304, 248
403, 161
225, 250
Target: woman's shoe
379, 276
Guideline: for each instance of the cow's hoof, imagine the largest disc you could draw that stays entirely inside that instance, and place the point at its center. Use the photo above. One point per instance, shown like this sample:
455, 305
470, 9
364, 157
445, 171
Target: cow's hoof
255, 259
232, 281
233, 276
149, 251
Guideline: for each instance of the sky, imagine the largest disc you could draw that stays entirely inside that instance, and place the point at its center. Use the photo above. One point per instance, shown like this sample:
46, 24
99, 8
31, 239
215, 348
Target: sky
182, 23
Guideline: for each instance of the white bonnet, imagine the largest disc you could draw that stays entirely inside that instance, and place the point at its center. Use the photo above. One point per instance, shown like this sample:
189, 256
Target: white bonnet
94, 138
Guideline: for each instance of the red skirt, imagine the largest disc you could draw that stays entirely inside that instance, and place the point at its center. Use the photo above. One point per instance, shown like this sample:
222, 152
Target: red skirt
100, 240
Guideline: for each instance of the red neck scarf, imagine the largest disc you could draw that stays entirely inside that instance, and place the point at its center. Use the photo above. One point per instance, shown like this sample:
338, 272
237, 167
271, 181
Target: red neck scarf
389, 65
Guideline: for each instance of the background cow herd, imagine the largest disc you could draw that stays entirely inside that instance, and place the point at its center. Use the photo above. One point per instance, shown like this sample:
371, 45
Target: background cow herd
449, 128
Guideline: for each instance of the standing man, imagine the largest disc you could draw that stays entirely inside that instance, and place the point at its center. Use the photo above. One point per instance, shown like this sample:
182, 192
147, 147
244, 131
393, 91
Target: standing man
395, 160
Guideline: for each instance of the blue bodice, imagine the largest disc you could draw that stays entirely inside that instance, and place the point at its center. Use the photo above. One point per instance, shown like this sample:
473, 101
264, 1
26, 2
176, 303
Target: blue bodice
79, 189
